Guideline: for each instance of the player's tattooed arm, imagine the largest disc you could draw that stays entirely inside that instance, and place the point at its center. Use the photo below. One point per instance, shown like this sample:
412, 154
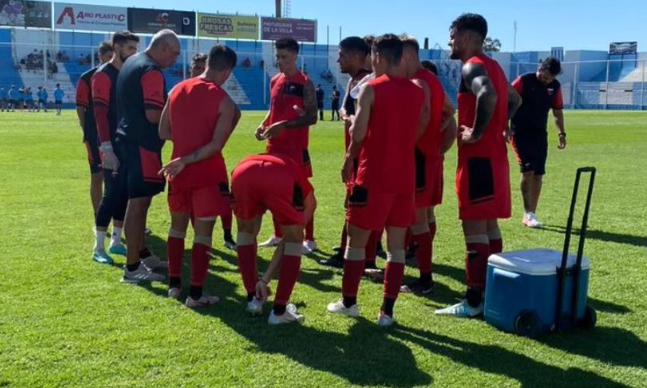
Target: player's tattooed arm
310, 103
514, 101
448, 113
164, 128
477, 80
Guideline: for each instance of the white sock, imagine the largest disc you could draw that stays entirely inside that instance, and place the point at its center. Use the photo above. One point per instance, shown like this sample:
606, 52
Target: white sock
99, 240
116, 236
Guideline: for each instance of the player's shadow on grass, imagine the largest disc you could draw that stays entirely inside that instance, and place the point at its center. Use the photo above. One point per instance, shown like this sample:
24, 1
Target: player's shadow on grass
496, 360
449, 271
364, 356
618, 238
609, 345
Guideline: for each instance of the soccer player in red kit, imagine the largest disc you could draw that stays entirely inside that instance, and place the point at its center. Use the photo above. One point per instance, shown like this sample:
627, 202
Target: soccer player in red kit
85, 113
485, 103
277, 183
429, 164
198, 118
104, 97
141, 96
392, 113
293, 108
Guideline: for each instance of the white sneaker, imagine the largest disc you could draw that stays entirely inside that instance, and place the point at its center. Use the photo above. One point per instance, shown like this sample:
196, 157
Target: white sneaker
141, 274
255, 306
384, 320
462, 309
271, 242
174, 292
309, 246
339, 308
290, 316
531, 221
154, 262
204, 301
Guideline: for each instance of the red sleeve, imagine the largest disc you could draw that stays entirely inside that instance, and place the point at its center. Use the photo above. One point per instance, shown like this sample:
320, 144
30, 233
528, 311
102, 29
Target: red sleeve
101, 86
153, 88
82, 93
558, 102
517, 84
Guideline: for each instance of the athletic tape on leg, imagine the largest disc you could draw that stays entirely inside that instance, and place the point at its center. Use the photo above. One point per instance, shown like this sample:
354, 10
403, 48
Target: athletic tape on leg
419, 229
293, 249
355, 254
396, 256
245, 239
204, 240
176, 233
477, 239
494, 234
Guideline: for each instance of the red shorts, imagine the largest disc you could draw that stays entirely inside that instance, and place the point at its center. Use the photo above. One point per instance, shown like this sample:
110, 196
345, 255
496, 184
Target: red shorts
302, 157
205, 202
429, 181
258, 186
374, 211
483, 187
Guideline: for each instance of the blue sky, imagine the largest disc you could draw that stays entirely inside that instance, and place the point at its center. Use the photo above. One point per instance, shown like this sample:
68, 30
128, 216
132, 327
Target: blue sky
574, 24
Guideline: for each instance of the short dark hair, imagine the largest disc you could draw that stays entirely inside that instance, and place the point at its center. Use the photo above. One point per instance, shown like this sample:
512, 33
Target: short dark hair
369, 39
105, 48
121, 37
410, 41
390, 47
471, 22
553, 65
222, 58
287, 44
355, 44
429, 65
199, 57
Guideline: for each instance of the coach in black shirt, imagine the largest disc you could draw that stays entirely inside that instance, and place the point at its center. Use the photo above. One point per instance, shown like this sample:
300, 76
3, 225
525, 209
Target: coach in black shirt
541, 92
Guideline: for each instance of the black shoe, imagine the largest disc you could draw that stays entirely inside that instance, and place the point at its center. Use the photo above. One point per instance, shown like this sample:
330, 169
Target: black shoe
336, 249
380, 250
229, 243
419, 287
411, 252
336, 260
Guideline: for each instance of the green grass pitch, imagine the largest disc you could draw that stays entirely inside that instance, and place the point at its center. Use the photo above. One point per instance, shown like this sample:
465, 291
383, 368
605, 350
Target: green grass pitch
66, 321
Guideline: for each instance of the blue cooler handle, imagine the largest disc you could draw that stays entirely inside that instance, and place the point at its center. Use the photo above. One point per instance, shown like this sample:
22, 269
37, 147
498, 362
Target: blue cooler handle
563, 271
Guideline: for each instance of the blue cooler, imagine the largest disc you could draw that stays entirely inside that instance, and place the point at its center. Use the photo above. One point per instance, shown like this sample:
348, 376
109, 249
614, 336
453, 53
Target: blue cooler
522, 291
536, 291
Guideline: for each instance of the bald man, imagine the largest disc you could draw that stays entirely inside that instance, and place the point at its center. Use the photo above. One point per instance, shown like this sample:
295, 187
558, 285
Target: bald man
141, 96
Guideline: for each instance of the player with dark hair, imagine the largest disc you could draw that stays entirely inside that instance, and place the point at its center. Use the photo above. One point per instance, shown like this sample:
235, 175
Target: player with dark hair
429, 65
352, 59
58, 99
438, 136
485, 103
389, 119
198, 64
334, 103
85, 114
141, 96
42, 92
293, 109
198, 118
104, 98
541, 92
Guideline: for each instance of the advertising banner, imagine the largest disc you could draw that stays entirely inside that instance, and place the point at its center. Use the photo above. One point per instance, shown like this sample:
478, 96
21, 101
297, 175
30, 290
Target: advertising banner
301, 30
17, 13
149, 21
622, 48
90, 17
227, 26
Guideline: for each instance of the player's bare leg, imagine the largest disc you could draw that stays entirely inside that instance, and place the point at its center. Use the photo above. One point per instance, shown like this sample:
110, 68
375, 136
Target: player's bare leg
246, 248
528, 191
135, 224
536, 192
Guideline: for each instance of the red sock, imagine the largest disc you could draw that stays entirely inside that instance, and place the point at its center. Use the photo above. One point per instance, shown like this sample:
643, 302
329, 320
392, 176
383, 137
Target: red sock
247, 266
496, 246
424, 252
393, 279
353, 271
199, 264
310, 230
371, 247
344, 238
288, 275
175, 253
277, 228
226, 221
476, 264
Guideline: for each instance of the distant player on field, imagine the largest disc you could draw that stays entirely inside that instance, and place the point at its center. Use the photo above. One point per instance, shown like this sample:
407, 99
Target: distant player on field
293, 109
85, 114
485, 103
389, 119
277, 183
58, 99
198, 118
541, 92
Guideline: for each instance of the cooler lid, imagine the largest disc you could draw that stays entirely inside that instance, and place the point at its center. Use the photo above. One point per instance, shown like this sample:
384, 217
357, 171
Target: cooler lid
534, 261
